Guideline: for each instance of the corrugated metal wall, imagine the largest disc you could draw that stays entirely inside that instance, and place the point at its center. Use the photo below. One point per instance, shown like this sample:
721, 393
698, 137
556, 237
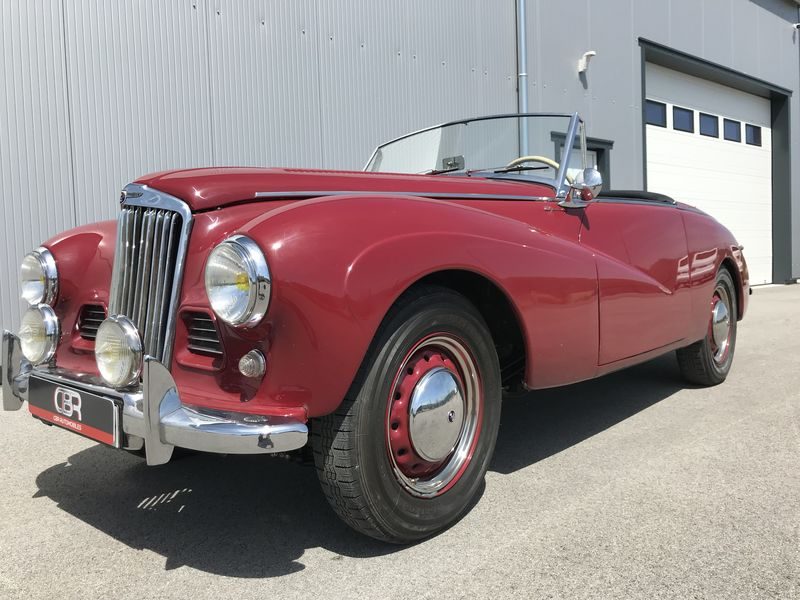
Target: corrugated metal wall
95, 93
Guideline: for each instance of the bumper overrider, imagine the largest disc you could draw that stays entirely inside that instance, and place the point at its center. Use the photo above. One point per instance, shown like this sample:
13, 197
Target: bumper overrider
153, 416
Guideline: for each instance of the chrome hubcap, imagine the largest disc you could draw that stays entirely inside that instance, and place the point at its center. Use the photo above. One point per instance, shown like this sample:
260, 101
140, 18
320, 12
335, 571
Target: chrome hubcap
436, 414
433, 415
720, 324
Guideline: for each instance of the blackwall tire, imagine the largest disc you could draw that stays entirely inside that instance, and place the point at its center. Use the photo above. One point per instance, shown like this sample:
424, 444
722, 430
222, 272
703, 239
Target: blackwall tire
407, 450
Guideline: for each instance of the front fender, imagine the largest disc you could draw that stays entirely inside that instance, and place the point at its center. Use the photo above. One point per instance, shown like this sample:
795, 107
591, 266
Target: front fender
338, 265
84, 259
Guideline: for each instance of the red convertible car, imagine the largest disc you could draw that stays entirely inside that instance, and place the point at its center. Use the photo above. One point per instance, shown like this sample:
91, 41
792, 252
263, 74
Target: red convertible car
376, 317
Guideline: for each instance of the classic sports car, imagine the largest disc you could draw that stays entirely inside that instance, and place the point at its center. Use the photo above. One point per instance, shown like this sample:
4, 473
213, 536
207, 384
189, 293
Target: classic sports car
375, 316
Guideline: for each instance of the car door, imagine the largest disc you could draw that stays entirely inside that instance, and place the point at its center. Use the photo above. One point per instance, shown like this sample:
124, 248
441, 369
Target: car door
555, 292
643, 275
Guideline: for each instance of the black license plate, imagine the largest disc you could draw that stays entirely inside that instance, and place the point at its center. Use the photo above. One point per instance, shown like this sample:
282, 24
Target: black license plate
79, 411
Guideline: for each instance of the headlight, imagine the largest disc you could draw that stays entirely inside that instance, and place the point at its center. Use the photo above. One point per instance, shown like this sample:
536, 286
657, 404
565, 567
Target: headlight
238, 281
39, 277
39, 333
118, 351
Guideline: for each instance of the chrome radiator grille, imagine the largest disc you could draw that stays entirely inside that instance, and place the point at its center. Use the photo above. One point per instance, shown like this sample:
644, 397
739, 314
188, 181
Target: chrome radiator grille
151, 242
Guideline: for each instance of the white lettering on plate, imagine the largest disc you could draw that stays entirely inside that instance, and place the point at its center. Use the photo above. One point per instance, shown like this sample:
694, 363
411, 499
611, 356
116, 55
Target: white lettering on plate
68, 402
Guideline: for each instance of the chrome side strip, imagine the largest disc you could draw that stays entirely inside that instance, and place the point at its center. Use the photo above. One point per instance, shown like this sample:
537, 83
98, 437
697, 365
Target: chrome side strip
322, 193
635, 201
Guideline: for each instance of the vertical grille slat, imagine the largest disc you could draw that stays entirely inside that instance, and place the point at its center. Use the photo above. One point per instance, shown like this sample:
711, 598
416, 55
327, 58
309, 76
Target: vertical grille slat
169, 272
136, 288
131, 262
145, 268
143, 280
156, 273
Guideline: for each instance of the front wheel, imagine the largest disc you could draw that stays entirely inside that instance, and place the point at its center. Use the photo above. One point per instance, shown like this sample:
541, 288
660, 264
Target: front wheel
408, 448
708, 361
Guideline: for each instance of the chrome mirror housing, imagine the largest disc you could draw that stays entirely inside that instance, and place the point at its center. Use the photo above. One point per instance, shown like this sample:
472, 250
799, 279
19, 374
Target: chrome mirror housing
584, 188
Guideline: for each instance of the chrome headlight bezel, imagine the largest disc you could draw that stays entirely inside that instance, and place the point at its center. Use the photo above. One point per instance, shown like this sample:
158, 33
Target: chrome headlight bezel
43, 259
52, 333
253, 266
132, 341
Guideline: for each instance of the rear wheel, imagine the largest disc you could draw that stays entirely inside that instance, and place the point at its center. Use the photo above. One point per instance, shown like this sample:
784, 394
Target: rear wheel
407, 450
708, 361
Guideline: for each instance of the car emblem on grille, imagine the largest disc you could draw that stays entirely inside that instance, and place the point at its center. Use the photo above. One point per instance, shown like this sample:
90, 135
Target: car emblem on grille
68, 402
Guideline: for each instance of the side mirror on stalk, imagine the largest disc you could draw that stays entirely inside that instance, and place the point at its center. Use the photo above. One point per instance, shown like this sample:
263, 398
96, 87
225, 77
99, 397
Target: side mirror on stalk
584, 189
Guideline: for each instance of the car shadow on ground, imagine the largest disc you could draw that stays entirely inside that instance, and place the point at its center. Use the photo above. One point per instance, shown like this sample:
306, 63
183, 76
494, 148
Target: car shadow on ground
543, 423
248, 516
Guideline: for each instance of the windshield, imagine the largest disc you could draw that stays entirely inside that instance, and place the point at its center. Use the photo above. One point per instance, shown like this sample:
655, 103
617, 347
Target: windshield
495, 144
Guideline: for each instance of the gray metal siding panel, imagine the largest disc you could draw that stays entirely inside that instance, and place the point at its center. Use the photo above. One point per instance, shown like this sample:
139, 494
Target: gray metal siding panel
686, 28
390, 68
609, 97
718, 15
264, 83
98, 93
321, 84
35, 175
138, 95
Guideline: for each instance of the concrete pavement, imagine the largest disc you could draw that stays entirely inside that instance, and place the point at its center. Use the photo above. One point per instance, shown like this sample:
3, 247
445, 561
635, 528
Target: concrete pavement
632, 486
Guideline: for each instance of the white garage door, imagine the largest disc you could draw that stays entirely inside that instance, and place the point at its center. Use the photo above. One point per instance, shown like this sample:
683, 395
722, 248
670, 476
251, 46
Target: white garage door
710, 146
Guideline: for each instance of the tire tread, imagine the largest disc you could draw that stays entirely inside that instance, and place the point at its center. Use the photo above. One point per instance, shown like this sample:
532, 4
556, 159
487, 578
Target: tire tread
334, 436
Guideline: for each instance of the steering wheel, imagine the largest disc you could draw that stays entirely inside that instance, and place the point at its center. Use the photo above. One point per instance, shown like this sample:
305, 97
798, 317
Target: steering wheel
540, 159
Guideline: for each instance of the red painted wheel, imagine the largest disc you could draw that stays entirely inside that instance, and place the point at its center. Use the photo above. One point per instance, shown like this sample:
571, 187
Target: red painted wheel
408, 449
708, 361
434, 415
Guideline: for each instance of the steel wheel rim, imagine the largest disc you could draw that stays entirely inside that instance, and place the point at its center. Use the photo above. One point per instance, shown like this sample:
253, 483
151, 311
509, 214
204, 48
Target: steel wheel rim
420, 474
720, 325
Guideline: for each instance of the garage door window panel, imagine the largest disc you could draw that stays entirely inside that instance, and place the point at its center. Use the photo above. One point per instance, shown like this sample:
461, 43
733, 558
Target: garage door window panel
752, 135
655, 113
682, 119
733, 130
709, 125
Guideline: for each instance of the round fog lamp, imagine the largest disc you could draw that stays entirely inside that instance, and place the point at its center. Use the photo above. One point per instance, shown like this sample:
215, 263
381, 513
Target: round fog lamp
39, 333
118, 351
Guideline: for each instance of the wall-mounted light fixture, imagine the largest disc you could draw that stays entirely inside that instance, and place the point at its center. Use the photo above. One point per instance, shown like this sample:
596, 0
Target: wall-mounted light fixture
583, 63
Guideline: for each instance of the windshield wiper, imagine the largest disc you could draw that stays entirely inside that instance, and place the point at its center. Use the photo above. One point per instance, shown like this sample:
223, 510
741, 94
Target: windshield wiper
519, 168
440, 171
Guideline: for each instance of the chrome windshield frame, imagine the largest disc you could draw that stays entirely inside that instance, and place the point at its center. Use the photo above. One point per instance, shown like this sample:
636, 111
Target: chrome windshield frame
559, 183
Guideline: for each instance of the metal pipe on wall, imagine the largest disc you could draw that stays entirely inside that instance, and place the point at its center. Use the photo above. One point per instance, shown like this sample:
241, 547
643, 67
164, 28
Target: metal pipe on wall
522, 76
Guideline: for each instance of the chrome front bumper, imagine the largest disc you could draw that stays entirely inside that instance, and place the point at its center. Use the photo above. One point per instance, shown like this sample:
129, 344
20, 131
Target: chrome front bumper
154, 416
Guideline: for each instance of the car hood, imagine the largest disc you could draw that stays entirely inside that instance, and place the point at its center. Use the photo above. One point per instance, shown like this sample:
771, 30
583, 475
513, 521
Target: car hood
211, 188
